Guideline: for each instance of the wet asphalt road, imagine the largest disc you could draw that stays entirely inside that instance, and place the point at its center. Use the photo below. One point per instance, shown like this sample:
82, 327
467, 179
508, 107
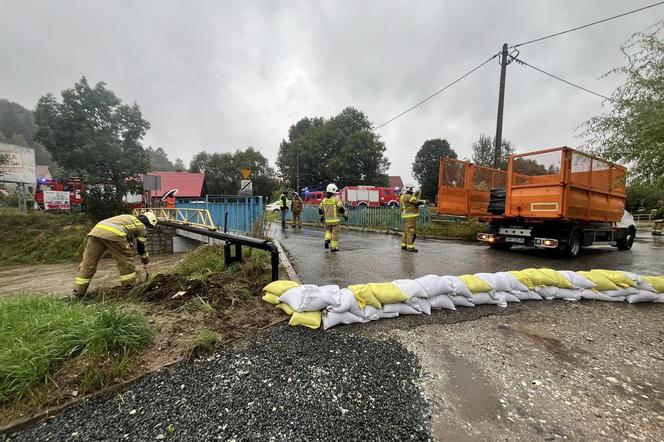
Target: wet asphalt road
376, 257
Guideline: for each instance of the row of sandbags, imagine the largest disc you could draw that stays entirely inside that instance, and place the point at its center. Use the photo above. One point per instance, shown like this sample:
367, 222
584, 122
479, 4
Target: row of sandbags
310, 305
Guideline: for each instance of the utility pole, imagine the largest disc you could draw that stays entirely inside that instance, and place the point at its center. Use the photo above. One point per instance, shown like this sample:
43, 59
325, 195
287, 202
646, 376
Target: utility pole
501, 101
297, 170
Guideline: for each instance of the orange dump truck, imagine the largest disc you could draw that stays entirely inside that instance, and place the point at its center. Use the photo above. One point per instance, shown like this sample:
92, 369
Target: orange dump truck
556, 198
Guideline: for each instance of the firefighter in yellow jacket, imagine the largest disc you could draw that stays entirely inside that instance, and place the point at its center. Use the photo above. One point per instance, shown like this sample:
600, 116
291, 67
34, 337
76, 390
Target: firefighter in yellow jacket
117, 235
331, 209
410, 207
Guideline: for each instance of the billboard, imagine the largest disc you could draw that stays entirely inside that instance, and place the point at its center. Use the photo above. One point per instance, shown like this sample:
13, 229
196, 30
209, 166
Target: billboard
18, 165
56, 200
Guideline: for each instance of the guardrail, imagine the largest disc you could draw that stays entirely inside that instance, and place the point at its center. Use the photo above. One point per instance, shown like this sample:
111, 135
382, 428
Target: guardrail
188, 217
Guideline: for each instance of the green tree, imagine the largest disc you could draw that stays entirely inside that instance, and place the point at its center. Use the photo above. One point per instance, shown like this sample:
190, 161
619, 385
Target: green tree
342, 149
159, 161
631, 131
427, 165
16, 120
92, 134
222, 171
484, 152
179, 165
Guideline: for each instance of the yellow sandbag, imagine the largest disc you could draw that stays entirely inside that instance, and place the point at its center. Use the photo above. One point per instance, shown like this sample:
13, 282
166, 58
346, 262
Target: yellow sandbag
272, 299
476, 284
602, 283
308, 319
618, 278
559, 280
279, 287
523, 278
539, 278
387, 293
364, 295
286, 308
657, 282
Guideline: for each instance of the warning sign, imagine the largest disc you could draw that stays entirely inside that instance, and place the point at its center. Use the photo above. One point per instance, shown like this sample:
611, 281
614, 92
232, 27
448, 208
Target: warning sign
246, 188
246, 173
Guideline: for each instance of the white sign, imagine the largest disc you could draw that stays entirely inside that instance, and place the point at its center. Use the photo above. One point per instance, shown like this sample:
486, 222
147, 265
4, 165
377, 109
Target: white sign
18, 165
56, 200
246, 188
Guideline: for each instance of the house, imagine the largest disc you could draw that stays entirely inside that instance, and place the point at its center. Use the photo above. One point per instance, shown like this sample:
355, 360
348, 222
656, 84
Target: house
189, 185
396, 182
43, 172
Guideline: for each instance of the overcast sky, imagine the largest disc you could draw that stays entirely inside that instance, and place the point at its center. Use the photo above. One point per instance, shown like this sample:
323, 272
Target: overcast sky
223, 75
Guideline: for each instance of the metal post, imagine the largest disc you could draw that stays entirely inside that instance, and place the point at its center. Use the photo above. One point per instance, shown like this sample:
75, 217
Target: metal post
297, 170
501, 101
275, 264
225, 222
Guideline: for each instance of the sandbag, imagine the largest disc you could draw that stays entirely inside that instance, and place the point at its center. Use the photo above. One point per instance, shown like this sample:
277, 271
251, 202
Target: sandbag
388, 292
660, 298
547, 277
642, 296
271, 298
514, 283
364, 295
346, 302
372, 314
497, 282
570, 294
286, 308
507, 296
310, 298
600, 280
622, 292
279, 287
411, 288
552, 292
547, 291
307, 319
618, 278
435, 285
461, 301
599, 296
656, 282
421, 304
577, 280
485, 298
401, 308
330, 319
458, 286
441, 301
523, 278
527, 295
476, 284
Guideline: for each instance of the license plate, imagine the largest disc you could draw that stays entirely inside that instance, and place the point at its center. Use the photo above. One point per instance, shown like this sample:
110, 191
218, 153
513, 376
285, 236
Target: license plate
515, 240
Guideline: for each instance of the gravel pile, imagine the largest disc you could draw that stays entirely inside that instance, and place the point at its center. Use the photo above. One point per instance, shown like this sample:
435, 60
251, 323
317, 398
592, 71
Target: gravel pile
285, 384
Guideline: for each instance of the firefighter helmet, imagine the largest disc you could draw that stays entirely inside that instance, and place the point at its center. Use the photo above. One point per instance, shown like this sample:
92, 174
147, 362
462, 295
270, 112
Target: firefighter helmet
149, 219
332, 188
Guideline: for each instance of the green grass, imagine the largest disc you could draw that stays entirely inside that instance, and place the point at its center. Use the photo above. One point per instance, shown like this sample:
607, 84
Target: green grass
272, 216
456, 229
39, 333
41, 238
204, 343
201, 262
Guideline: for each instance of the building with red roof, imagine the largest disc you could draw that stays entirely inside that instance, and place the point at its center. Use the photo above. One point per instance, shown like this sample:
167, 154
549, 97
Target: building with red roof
396, 182
189, 185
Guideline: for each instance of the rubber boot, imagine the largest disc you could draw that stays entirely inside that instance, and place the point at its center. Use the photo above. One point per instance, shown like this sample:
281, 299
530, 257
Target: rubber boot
327, 244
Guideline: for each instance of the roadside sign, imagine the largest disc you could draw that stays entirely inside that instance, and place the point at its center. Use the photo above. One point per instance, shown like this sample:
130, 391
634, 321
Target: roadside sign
56, 200
246, 173
246, 188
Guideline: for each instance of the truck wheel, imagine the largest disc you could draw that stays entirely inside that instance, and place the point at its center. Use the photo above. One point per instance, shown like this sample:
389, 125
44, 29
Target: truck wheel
393, 204
573, 247
362, 206
501, 245
626, 242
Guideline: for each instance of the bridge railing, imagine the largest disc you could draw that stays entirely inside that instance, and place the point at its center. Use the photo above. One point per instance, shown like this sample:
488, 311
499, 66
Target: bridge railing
187, 217
231, 212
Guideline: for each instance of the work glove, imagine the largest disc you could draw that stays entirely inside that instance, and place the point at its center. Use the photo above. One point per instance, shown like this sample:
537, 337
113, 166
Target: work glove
345, 217
322, 219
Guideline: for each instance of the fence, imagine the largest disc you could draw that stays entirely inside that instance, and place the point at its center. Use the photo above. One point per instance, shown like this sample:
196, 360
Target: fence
243, 211
383, 217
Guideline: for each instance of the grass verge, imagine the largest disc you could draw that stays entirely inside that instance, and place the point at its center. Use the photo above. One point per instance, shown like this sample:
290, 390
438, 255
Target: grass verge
452, 229
41, 238
38, 334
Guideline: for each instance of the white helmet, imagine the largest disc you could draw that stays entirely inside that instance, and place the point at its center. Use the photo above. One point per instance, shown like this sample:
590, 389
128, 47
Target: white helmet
332, 188
151, 218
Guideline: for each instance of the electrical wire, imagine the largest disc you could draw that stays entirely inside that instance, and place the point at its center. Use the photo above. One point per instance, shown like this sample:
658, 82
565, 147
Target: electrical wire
587, 25
519, 61
436, 93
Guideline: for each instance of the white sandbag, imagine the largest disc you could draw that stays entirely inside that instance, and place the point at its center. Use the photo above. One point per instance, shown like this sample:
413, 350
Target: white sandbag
435, 285
547, 291
507, 296
642, 296
641, 283
599, 296
311, 298
411, 288
458, 287
498, 282
485, 298
371, 313
441, 301
330, 319
461, 301
346, 303
526, 295
421, 304
622, 292
401, 308
660, 298
577, 280
514, 283
569, 294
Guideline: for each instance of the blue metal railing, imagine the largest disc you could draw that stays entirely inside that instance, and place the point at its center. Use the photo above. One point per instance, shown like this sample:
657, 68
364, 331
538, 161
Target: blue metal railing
381, 217
236, 213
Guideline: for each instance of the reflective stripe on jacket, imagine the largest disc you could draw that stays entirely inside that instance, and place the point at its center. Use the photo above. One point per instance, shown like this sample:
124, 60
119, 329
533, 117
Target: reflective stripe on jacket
120, 228
409, 205
330, 208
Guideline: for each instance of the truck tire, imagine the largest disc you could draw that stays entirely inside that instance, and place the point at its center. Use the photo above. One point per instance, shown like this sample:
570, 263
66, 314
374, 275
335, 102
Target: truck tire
362, 206
626, 242
573, 247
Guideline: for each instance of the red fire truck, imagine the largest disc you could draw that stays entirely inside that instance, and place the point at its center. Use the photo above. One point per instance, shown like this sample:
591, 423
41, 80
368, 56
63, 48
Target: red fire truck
72, 185
369, 196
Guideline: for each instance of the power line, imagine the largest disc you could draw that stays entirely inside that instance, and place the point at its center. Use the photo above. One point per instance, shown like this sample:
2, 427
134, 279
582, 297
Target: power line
436, 93
589, 24
518, 60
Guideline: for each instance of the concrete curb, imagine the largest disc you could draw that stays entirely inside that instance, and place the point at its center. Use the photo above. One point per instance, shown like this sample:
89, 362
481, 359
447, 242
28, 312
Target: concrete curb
285, 262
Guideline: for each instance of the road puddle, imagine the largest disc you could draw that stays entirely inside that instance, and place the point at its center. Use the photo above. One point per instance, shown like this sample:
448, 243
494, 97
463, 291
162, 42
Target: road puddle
548, 342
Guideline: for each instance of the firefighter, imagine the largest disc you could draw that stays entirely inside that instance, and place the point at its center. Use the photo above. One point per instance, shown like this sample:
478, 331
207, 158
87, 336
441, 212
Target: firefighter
410, 202
117, 235
296, 207
329, 210
283, 206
